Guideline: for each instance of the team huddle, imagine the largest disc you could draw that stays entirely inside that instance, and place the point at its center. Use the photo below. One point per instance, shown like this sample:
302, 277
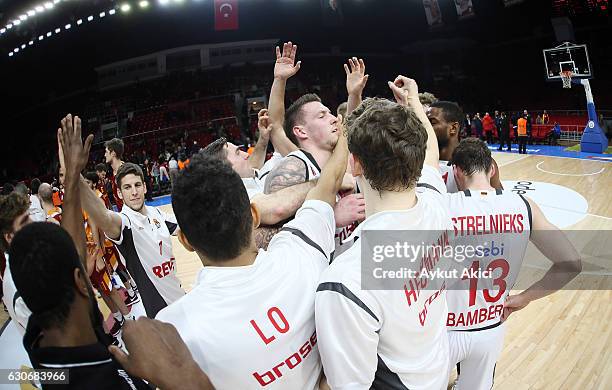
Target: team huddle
283, 299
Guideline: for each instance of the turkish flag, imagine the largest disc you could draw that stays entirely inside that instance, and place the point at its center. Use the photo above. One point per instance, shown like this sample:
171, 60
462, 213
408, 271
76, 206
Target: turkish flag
226, 15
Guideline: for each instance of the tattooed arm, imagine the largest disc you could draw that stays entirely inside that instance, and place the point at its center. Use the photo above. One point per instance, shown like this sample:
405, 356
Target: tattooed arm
290, 171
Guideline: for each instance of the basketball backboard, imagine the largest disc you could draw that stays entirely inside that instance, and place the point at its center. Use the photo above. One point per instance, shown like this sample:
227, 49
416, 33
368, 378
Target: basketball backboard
567, 56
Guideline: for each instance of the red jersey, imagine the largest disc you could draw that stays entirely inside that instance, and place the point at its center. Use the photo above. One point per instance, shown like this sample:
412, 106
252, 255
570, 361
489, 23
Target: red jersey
101, 188
118, 200
55, 213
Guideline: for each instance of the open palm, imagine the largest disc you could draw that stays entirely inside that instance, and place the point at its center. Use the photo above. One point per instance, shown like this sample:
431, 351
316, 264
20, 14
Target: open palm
356, 78
285, 66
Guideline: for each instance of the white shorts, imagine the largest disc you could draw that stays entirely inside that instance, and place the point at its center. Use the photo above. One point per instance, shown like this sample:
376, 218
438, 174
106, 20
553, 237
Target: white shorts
475, 354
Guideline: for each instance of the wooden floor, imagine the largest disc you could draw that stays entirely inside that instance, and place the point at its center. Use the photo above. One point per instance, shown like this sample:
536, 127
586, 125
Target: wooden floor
563, 341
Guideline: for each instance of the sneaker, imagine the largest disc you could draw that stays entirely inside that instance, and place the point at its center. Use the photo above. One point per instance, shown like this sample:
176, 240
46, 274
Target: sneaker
129, 301
116, 329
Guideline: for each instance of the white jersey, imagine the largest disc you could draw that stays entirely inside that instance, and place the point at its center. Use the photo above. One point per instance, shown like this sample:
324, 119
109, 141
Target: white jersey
254, 185
499, 222
313, 171
253, 326
385, 338
269, 165
36, 211
446, 170
16, 307
146, 248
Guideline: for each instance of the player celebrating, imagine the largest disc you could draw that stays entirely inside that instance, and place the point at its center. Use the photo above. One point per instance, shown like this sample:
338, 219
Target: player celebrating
310, 125
447, 119
386, 338
263, 300
503, 223
142, 235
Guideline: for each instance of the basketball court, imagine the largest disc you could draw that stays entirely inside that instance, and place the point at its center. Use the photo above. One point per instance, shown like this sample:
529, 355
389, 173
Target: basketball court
563, 341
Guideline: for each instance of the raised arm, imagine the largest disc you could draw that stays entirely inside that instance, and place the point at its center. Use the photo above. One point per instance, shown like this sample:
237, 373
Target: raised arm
74, 155
406, 92
279, 206
284, 68
553, 244
332, 175
356, 80
108, 221
258, 157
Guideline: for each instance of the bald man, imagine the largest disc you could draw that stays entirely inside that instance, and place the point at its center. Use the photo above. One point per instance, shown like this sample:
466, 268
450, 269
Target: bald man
52, 212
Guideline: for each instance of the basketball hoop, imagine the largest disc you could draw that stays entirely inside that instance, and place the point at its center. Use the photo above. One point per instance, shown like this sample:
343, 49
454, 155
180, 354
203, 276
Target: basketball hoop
566, 77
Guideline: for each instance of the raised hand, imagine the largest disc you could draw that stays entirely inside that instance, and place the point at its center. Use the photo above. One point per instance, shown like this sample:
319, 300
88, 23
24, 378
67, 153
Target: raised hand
285, 66
403, 89
356, 78
75, 152
264, 125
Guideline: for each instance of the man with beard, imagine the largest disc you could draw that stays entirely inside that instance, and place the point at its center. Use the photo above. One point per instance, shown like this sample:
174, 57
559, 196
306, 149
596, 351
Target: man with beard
446, 118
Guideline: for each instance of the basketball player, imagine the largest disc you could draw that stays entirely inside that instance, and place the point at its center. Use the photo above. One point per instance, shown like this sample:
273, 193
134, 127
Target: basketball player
503, 223
310, 125
142, 236
102, 184
53, 213
262, 300
249, 321
447, 119
14, 215
102, 255
113, 153
385, 338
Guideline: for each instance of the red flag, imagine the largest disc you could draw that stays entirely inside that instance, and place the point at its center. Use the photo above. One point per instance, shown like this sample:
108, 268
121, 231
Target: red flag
226, 15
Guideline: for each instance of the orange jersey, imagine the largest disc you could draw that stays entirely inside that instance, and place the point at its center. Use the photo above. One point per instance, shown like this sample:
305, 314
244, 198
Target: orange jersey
58, 198
55, 213
101, 189
522, 127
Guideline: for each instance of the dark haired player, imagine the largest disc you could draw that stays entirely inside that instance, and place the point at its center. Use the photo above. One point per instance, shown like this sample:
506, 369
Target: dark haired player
141, 233
447, 119
503, 223
249, 320
65, 329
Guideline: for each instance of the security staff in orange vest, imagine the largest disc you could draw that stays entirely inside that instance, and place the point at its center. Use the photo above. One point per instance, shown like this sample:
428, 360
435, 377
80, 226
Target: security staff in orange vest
522, 134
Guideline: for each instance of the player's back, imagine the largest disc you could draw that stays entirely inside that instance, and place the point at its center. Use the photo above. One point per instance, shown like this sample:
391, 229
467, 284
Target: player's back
400, 324
497, 224
253, 326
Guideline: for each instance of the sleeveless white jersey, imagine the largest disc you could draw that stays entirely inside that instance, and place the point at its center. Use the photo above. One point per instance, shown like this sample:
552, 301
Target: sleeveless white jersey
446, 170
386, 338
498, 225
313, 171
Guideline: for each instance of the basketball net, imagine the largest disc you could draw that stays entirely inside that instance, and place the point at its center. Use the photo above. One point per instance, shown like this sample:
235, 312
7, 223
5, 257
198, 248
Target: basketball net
566, 77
